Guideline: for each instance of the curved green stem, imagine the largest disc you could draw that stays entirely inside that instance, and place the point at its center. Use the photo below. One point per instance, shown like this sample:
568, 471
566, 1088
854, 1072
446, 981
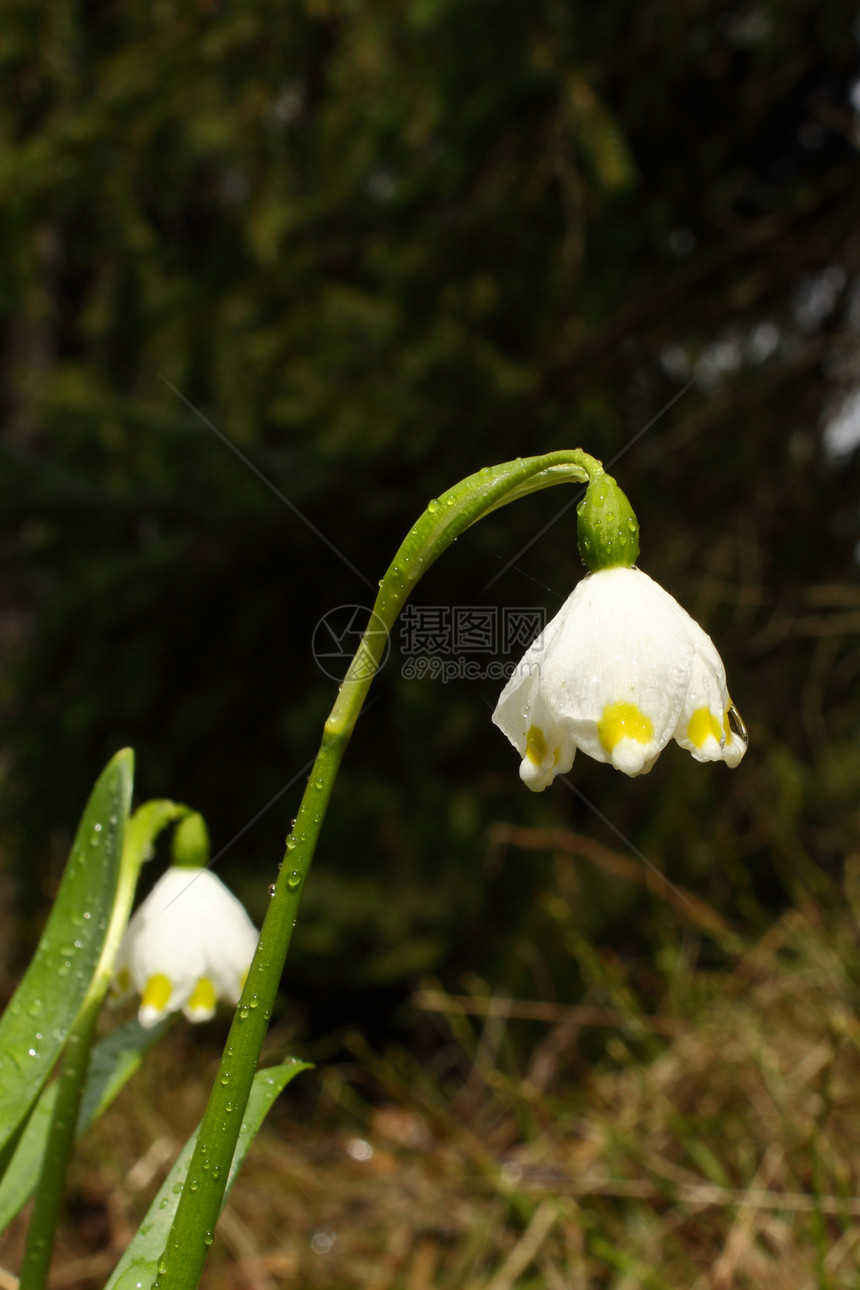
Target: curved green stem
139, 833
444, 519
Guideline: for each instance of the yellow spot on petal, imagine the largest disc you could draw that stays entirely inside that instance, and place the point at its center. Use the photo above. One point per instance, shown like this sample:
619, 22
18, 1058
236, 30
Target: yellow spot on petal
203, 998
536, 745
123, 981
536, 748
157, 993
623, 721
701, 726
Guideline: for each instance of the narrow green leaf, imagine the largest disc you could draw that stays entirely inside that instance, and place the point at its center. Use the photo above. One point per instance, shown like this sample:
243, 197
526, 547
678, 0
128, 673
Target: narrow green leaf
34, 1027
112, 1064
138, 1267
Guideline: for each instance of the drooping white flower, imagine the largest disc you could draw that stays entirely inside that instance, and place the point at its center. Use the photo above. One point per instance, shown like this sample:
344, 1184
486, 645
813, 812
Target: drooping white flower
189, 944
618, 672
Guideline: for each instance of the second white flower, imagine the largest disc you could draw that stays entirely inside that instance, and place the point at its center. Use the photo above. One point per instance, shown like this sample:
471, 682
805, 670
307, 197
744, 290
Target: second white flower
619, 671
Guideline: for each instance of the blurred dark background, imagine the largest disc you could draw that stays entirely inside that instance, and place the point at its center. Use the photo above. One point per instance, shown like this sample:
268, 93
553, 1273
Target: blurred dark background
379, 247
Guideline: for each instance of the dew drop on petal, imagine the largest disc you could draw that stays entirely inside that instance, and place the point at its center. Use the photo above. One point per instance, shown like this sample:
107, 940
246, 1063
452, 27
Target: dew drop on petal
736, 724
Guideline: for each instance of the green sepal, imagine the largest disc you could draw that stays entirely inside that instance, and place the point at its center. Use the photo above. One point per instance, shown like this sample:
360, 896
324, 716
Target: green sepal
190, 846
607, 527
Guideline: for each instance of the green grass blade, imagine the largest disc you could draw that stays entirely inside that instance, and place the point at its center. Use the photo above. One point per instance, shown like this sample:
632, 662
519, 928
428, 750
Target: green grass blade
138, 1267
112, 1064
43, 1009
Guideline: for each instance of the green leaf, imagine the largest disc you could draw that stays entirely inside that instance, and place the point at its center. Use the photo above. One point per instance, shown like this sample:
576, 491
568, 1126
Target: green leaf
34, 1027
112, 1064
138, 1267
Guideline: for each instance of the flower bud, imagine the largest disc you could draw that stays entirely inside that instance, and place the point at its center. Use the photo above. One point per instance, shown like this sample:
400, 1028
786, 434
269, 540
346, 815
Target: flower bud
190, 846
607, 528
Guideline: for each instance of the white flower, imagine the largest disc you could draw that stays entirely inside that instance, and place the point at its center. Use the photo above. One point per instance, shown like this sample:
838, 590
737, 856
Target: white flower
189, 944
618, 672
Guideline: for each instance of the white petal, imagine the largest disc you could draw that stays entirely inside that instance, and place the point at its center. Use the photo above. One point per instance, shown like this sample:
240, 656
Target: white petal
700, 725
621, 648
524, 716
229, 967
704, 726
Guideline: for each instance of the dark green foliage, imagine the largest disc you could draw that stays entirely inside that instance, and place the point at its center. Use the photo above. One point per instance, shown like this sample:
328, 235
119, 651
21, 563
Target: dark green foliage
378, 247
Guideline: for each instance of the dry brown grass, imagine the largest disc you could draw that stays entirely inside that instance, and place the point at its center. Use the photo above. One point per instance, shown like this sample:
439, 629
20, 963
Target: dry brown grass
714, 1143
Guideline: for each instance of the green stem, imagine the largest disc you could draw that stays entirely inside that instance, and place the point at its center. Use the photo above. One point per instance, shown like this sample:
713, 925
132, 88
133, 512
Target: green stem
58, 1149
139, 832
441, 523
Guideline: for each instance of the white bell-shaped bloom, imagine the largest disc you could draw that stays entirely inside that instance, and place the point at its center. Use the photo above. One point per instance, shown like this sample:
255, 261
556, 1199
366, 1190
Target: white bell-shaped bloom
189, 944
618, 672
